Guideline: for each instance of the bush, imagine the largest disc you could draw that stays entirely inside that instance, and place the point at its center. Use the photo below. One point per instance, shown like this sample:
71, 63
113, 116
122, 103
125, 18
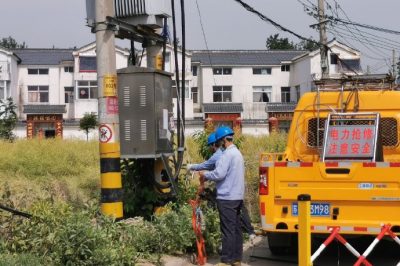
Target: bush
21, 259
67, 231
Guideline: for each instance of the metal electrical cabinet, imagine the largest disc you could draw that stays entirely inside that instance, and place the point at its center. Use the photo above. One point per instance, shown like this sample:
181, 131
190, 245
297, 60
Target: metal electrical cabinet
145, 112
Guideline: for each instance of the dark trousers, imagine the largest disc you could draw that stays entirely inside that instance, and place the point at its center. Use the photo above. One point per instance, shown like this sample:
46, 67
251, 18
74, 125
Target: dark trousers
232, 238
246, 222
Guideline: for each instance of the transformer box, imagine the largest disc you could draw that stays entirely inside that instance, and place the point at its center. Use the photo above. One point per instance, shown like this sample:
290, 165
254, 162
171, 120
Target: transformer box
145, 112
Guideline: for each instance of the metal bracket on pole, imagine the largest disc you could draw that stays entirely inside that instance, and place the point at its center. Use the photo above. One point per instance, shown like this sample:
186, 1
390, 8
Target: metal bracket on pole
137, 33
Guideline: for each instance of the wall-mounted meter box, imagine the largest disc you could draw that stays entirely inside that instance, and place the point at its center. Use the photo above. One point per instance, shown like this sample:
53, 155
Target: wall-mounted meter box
145, 112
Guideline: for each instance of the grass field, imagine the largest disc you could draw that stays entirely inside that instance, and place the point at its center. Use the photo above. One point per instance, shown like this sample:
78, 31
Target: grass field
59, 182
68, 170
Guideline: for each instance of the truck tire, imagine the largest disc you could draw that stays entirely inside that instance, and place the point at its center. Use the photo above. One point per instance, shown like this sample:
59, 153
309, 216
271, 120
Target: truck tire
280, 243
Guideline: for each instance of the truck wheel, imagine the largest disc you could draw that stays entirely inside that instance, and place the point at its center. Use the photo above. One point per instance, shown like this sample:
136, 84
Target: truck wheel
279, 243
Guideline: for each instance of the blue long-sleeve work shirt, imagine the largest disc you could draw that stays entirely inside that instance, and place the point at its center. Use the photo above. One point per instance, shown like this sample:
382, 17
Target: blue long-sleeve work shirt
209, 164
229, 175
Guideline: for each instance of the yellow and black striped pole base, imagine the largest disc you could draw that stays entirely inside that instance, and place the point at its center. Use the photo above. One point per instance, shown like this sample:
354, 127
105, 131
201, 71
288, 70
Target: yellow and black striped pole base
111, 187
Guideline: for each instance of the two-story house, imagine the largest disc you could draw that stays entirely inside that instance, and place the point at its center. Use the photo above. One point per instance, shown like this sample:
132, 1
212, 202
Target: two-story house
253, 85
56, 87
8, 74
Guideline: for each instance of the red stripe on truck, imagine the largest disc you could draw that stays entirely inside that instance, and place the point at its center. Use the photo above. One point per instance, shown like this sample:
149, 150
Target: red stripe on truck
262, 208
280, 164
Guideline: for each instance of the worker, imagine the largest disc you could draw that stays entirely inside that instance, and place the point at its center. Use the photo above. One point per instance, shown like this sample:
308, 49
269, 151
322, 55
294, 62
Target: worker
214, 147
229, 178
210, 163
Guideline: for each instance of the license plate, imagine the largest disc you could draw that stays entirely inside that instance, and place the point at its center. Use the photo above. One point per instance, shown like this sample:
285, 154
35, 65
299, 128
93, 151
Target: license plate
317, 209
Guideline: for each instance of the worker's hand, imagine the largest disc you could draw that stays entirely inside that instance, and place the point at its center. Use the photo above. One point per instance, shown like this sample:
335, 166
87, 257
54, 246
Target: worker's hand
202, 177
189, 167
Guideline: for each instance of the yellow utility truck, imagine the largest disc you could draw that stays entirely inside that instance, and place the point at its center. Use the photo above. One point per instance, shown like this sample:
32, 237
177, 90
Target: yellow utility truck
343, 150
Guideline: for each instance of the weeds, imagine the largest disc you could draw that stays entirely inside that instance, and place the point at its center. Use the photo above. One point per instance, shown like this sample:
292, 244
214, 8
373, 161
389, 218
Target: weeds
58, 182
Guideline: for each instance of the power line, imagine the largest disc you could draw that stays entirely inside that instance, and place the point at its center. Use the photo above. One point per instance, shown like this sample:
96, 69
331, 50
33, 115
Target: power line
205, 39
337, 15
382, 44
282, 28
277, 25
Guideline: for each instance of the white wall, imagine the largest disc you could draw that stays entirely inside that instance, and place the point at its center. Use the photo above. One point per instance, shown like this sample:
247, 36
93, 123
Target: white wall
73, 132
256, 130
83, 106
242, 81
301, 75
55, 80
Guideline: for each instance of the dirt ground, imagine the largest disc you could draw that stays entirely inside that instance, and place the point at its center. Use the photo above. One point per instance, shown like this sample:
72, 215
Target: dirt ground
247, 259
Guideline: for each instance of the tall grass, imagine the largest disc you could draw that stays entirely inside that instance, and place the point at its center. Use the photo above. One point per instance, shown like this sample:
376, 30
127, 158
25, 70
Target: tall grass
49, 169
68, 170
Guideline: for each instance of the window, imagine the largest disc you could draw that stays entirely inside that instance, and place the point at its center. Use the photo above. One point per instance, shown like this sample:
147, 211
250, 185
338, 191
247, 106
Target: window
194, 70
2, 91
262, 71
222, 71
262, 94
69, 94
285, 94
69, 69
38, 71
222, 94
334, 59
87, 89
87, 64
187, 94
297, 93
38, 94
285, 68
195, 94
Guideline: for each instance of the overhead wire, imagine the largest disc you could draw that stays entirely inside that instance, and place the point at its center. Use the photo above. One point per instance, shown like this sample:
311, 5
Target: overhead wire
348, 28
374, 45
282, 28
344, 36
205, 39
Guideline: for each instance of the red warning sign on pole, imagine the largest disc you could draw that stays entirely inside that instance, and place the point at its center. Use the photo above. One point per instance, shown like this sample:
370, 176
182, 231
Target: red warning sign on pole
105, 133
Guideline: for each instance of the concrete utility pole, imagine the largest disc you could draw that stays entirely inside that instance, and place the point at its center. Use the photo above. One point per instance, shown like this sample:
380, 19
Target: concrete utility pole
394, 64
110, 168
323, 40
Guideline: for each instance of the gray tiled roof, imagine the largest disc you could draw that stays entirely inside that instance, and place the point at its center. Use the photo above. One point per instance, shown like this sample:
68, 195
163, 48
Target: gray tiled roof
222, 107
244, 57
44, 109
281, 107
44, 56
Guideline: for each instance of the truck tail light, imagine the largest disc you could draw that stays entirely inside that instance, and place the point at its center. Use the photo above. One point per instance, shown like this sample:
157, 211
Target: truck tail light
263, 189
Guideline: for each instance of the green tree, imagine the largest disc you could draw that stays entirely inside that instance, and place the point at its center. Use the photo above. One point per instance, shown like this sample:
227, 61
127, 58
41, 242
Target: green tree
10, 43
307, 45
8, 119
276, 43
88, 122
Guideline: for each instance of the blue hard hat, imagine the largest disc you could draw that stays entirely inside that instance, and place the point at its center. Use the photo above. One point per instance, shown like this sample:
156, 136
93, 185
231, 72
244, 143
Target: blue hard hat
211, 139
222, 132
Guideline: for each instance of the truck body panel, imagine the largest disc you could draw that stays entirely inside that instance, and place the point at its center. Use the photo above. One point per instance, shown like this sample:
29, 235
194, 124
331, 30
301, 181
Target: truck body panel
357, 196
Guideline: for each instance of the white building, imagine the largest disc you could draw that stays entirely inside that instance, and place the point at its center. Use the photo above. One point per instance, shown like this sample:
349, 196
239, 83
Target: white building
54, 88
252, 85
8, 74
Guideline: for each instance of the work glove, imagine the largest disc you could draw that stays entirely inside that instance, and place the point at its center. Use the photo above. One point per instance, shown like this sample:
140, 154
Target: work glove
189, 167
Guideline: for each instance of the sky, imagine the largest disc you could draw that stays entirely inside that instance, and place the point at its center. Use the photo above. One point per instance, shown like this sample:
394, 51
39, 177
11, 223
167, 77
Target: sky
227, 25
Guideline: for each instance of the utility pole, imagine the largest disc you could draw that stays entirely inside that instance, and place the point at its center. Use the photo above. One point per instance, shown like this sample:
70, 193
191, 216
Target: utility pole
109, 142
323, 40
394, 72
